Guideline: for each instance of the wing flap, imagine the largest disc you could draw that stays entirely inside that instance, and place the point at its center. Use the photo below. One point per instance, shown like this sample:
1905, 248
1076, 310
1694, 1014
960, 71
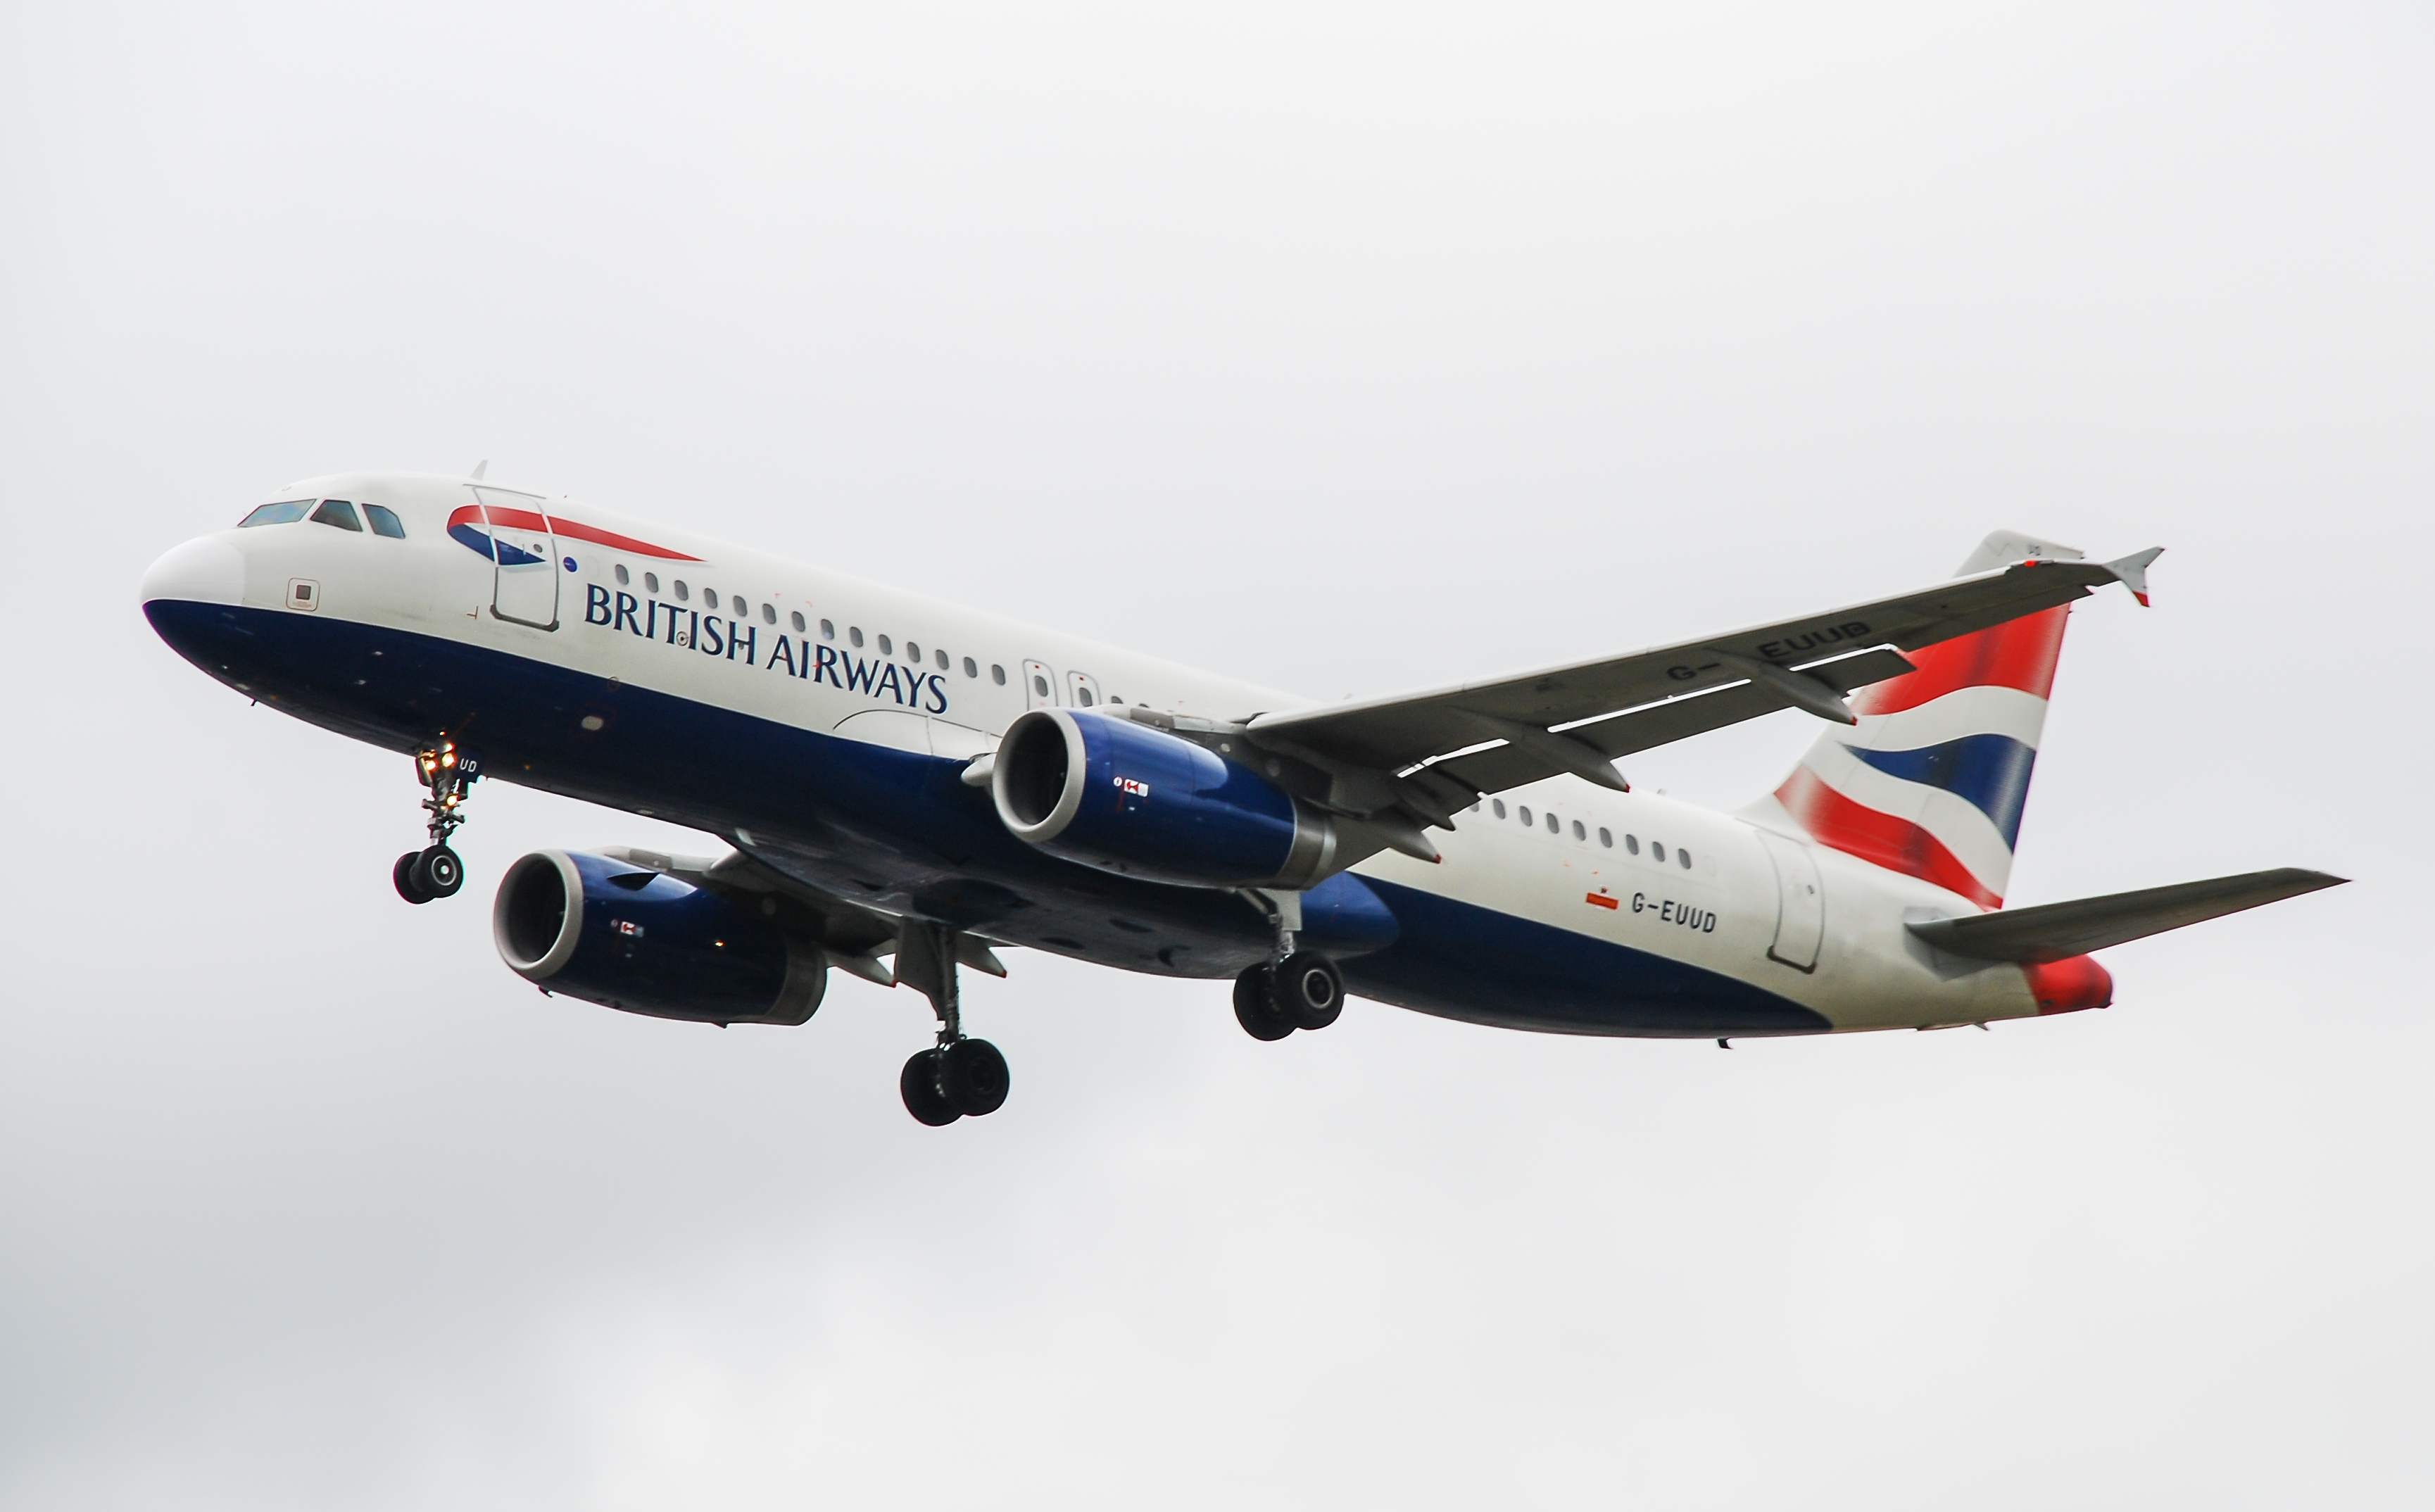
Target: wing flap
2053, 931
1618, 735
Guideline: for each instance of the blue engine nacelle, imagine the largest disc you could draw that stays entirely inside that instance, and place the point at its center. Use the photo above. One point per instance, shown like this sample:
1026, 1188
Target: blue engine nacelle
628, 938
1138, 802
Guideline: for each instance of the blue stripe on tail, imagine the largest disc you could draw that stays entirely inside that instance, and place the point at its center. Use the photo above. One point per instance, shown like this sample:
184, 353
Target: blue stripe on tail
1990, 772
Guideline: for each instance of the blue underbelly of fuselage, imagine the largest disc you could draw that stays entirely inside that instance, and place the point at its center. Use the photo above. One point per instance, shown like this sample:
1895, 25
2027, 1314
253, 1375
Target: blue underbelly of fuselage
902, 833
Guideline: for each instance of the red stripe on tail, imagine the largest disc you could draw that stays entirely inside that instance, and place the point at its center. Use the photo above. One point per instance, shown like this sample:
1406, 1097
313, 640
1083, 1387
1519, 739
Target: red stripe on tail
2018, 654
1881, 839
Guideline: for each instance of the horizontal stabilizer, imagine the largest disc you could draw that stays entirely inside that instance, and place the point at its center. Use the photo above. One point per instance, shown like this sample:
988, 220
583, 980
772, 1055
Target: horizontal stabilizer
2053, 931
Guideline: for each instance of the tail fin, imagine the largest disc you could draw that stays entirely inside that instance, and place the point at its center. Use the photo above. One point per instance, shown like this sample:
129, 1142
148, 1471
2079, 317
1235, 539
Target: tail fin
1932, 780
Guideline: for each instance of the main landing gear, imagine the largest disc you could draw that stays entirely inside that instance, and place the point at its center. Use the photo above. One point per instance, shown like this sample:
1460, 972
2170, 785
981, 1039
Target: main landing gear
1302, 991
435, 872
1297, 990
958, 1077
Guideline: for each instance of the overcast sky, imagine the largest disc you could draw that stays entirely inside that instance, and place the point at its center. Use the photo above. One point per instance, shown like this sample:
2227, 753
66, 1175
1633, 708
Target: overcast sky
1343, 350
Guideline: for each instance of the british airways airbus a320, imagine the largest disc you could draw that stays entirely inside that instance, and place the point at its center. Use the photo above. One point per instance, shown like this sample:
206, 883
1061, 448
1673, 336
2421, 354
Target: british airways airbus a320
907, 785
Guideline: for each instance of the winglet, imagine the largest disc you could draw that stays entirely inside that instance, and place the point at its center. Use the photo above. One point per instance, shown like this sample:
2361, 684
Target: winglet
2133, 573
479, 468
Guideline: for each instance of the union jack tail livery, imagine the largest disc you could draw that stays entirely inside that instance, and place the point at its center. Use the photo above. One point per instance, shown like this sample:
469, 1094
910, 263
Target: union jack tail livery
1932, 780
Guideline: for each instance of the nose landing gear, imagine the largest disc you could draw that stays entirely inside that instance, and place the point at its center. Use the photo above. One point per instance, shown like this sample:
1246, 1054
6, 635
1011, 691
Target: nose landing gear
959, 1076
435, 872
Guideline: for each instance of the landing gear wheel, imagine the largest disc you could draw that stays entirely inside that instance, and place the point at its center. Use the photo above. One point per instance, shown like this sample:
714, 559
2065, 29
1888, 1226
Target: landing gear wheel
407, 875
972, 1077
922, 1097
1307, 990
1255, 1006
440, 872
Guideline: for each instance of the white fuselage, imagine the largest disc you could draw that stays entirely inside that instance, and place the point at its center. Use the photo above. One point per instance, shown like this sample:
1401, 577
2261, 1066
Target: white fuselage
864, 662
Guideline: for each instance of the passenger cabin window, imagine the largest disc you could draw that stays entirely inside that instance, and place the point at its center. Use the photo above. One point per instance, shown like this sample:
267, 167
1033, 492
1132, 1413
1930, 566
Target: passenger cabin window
943, 661
682, 591
913, 652
1553, 824
385, 522
768, 614
1631, 843
797, 617
973, 669
1606, 837
1684, 856
276, 514
710, 598
1526, 816
1499, 805
337, 512
854, 633
997, 674
1657, 848
622, 578
1580, 833
886, 649
1082, 696
1039, 685
828, 629
650, 582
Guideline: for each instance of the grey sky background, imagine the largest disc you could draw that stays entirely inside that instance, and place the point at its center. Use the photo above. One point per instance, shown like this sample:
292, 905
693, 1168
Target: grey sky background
1348, 350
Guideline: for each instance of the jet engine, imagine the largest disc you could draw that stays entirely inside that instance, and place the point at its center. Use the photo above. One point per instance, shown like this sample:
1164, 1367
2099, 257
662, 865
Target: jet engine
625, 936
1136, 800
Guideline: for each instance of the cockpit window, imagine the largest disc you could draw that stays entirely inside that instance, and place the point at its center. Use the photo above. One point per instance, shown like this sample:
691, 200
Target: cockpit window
336, 512
385, 522
276, 514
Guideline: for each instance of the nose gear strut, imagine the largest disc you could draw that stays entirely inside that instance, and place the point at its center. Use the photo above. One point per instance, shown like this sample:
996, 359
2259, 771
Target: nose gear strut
435, 872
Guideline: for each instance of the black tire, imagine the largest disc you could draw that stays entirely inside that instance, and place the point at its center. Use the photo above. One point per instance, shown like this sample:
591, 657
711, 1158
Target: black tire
1255, 1006
973, 1077
1307, 990
923, 1098
440, 871
407, 875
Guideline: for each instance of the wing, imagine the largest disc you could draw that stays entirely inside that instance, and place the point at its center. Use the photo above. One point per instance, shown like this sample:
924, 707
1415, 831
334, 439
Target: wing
1441, 749
853, 936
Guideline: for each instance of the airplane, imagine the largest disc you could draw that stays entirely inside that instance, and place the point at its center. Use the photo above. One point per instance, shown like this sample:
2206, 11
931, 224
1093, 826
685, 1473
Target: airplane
907, 786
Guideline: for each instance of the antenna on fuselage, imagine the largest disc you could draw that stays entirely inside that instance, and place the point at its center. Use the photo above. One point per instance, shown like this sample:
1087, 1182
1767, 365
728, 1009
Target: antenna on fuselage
479, 468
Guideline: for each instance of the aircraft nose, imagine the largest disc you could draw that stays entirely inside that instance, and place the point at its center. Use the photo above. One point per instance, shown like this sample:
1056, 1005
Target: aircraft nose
205, 569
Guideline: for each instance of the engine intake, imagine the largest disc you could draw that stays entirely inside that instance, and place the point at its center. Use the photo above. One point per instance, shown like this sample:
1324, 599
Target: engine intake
628, 938
1138, 802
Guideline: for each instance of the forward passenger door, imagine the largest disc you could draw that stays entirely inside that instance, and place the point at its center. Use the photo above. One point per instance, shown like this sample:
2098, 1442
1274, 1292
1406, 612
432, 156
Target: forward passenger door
524, 556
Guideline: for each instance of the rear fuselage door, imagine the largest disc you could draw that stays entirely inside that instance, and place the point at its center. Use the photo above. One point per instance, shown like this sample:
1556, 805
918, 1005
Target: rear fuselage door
1039, 686
525, 556
1800, 903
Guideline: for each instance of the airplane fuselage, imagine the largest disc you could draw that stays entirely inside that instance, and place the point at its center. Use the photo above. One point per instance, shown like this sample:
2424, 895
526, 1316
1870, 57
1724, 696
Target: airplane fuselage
824, 724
